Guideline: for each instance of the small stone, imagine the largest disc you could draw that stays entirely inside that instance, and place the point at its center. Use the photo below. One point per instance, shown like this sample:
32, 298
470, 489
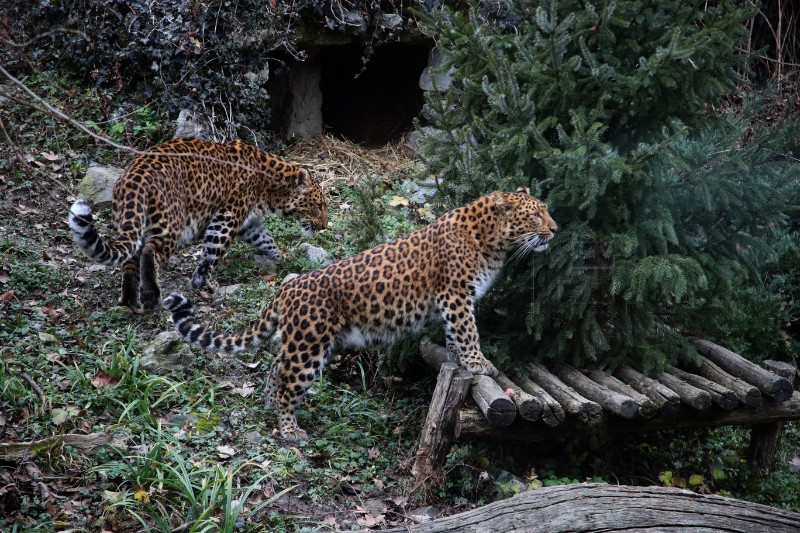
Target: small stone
505, 477
167, 353
191, 124
424, 514
413, 138
97, 185
418, 193
253, 437
356, 25
289, 277
390, 21
315, 254
375, 507
227, 290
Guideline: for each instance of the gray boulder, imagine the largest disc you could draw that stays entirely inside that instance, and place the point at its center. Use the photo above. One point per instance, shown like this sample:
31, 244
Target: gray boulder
432, 78
97, 185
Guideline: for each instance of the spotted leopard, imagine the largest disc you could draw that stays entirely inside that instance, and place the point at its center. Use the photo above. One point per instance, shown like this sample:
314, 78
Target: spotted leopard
433, 274
183, 189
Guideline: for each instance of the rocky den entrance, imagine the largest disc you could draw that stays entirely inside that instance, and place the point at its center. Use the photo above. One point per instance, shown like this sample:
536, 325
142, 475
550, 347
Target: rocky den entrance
337, 90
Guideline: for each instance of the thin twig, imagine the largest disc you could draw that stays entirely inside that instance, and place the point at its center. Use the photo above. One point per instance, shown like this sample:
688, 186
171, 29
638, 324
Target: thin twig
35, 386
41, 36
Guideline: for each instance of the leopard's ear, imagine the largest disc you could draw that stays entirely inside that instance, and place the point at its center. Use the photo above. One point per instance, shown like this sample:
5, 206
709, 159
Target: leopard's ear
501, 203
303, 179
523, 189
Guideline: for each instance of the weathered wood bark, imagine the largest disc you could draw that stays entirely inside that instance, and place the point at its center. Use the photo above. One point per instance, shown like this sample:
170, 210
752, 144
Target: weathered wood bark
646, 408
586, 411
498, 408
602, 508
611, 401
552, 412
474, 424
721, 396
439, 430
434, 354
667, 400
488, 396
17, 451
776, 387
691, 396
748, 394
529, 407
765, 438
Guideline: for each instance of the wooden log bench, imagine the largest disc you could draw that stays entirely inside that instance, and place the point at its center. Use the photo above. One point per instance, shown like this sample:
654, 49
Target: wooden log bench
724, 389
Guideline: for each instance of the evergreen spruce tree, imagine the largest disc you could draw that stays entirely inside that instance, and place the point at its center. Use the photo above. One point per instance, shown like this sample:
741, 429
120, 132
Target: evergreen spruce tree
607, 111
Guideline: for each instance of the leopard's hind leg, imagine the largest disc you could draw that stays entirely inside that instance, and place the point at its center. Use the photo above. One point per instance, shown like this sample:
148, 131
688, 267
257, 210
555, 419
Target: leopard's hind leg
155, 253
130, 283
304, 351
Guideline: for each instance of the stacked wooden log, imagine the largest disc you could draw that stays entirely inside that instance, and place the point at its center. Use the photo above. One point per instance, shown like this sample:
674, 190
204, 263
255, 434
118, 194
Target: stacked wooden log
723, 389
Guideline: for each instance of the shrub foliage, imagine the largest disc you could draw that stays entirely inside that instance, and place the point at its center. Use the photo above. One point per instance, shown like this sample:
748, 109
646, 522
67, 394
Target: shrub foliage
667, 204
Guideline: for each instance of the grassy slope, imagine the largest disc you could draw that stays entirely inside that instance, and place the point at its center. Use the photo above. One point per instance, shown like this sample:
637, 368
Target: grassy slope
198, 440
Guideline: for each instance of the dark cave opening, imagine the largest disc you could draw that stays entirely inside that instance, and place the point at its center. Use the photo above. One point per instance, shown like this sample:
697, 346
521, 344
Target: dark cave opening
371, 104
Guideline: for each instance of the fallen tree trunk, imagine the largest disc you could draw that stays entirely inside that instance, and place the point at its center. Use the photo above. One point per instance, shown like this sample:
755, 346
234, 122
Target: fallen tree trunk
596, 507
17, 451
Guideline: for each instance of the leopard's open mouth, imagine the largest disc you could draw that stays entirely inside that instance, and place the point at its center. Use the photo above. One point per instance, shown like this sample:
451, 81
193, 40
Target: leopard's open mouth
541, 243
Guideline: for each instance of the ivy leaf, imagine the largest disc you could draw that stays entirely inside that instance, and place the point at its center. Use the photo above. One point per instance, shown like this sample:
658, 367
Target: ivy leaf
59, 416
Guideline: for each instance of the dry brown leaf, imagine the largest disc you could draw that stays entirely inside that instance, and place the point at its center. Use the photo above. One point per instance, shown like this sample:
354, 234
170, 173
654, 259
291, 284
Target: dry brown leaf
102, 379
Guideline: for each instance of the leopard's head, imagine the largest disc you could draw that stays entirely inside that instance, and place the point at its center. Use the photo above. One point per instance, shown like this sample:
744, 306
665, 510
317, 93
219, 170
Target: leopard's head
527, 224
308, 203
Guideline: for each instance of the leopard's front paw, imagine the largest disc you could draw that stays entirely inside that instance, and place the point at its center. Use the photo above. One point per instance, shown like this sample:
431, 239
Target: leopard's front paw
276, 256
294, 434
200, 280
479, 366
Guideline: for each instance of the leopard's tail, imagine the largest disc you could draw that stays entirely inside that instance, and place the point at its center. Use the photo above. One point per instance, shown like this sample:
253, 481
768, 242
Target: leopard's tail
197, 333
112, 253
